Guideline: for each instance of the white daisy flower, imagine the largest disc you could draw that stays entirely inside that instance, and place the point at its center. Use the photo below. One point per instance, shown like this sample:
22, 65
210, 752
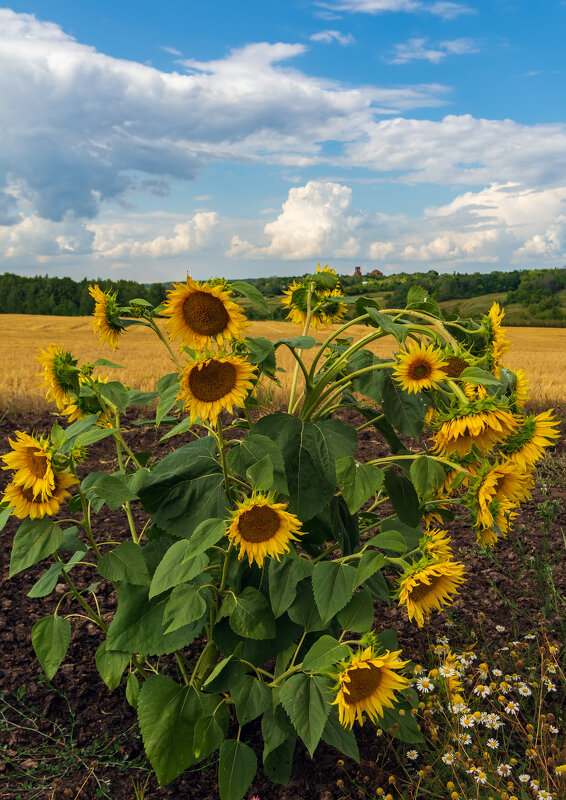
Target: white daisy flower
465, 738
448, 758
524, 690
412, 754
493, 743
425, 685
500, 628
467, 721
482, 690
504, 770
524, 778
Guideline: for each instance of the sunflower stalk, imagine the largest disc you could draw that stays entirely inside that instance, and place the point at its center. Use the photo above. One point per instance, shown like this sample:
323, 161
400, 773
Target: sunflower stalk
297, 353
127, 505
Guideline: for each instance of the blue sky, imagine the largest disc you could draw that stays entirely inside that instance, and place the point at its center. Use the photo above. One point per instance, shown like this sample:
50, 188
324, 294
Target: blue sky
141, 140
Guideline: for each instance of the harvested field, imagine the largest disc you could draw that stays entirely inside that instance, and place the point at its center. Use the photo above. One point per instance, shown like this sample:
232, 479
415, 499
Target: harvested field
541, 352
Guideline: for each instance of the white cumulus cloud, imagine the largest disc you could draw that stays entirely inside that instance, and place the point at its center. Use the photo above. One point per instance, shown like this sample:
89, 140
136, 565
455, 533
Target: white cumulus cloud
313, 223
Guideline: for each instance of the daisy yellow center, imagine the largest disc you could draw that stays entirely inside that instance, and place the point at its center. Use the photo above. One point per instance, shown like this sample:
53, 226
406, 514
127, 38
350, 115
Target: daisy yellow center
205, 313
421, 590
363, 683
36, 463
420, 370
259, 524
212, 381
455, 366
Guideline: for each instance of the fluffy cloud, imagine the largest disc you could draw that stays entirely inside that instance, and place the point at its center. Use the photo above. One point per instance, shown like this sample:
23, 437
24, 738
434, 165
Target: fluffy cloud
82, 123
313, 224
463, 150
499, 224
116, 240
419, 49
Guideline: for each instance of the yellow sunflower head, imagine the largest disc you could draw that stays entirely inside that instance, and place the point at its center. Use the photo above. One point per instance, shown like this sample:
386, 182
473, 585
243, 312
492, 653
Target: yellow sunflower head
496, 337
419, 367
85, 404
367, 684
422, 589
106, 316
212, 385
436, 544
60, 374
260, 528
326, 304
455, 364
528, 444
31, 458
201, 314
522, 388
481, 424
27, 503
495, 491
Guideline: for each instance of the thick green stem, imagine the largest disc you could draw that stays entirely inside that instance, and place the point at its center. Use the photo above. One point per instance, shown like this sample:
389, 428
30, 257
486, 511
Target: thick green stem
222, 450
155, 328
86, 522
83, 603
182, 668
299, 362
127, 505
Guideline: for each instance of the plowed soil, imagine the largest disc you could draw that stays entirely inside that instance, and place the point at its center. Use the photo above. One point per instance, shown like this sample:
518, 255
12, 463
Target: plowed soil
87, 712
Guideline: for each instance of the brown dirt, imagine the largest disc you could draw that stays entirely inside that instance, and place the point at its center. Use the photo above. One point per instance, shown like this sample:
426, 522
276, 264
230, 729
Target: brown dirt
90, 713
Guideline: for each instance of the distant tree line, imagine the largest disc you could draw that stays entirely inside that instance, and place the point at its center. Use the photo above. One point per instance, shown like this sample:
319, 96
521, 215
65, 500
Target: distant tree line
66, 297
538, 291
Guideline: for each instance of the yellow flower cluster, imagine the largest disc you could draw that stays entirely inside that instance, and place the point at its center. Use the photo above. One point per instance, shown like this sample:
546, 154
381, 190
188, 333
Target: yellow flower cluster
37, 489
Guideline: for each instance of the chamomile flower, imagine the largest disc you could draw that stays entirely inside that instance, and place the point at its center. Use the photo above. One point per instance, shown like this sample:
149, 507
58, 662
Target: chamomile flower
504, 770
425, 685
524, 690
412, 754
524, 778
493, 744
449, 758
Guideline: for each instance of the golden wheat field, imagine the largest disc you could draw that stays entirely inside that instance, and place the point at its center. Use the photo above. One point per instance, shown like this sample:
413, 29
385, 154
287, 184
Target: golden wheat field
541, 352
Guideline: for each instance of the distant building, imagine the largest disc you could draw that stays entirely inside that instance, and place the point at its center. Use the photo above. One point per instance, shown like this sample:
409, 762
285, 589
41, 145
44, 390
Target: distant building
375, 273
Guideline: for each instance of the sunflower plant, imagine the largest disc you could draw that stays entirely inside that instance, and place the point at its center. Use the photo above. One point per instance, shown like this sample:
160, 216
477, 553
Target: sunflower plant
259, 550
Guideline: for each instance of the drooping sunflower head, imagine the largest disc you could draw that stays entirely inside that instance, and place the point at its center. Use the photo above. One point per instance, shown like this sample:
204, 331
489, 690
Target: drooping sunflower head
367, 684
423, 589
32, 460
504, 482
436, 544
212, 385
495, 491
202, 314
481, 424
60, 374
419, 367
496, 337
27, 503
529, 442
86, 403
522, 388
106, 316
260, 528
